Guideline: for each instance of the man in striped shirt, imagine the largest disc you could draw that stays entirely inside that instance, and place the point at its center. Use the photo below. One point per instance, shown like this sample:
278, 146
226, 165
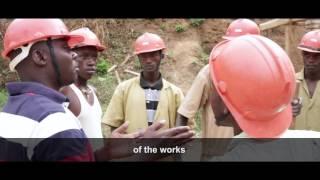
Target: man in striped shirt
145, 99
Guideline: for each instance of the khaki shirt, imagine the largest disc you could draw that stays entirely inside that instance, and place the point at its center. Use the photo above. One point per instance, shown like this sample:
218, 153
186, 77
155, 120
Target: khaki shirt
309, 117
128, 104
198, 97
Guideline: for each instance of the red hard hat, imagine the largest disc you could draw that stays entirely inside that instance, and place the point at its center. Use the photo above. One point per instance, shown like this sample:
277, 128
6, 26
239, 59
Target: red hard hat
217, 49
24, 31
241, 27
148, 42
311, 42
256, 80
90, 39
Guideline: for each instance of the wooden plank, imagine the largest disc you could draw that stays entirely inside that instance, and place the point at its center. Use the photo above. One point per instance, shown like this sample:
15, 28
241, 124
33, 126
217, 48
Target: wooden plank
112, 68
312, 24
131, 72
277, 22
287, 38
273, 23
117, 76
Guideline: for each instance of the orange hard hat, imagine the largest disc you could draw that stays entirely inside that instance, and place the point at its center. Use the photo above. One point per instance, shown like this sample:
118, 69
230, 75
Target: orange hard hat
241, 27
148, 42
22, 33
90, 39
256, 80
311, 42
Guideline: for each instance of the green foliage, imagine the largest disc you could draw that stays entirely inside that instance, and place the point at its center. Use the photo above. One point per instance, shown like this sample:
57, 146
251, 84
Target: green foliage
3, 97
137, 65
103, 66
204, 58
180, 28
162, 27
105, 86
196, 22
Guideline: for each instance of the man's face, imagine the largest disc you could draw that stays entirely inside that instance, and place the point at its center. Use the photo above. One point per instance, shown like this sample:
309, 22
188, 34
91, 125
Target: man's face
87, 60
150, 61
66, 61
311, 62
222, 115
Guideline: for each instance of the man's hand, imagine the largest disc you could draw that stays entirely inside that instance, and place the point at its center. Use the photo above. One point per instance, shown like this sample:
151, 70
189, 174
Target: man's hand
121, 148
296, 106
176, 136
118, 145
121, 132
154, 131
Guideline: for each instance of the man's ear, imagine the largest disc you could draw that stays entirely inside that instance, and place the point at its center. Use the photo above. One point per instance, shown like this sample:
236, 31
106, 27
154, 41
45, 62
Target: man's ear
162, 55
39, 57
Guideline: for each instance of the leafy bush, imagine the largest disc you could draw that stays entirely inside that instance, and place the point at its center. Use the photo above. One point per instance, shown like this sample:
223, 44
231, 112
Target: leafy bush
162, 27
102, 66
180, 28
3, 97
196, 22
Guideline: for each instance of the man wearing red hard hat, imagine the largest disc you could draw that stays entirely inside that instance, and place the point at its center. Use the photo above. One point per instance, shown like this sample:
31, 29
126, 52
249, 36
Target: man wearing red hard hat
145, 99
309, 78
199, 93
254, 83
35, 111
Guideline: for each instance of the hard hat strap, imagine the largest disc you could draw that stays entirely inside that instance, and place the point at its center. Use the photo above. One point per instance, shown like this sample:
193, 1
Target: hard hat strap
54, 61
20, 57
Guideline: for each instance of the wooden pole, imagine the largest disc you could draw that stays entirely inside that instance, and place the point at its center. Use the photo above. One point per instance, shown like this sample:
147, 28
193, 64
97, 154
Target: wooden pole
112, 68
117, 76
132, 72
288, 38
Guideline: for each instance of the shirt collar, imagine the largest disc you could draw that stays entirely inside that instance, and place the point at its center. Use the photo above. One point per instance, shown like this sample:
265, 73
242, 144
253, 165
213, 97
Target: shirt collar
300, 75
18, 88
145, 85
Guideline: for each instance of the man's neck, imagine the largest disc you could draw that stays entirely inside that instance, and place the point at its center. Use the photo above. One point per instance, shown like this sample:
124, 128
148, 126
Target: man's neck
151, 77
312, 76
80, 82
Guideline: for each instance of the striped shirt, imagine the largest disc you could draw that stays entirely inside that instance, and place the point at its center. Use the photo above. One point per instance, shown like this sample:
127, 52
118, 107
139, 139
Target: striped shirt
36, 125
152, 96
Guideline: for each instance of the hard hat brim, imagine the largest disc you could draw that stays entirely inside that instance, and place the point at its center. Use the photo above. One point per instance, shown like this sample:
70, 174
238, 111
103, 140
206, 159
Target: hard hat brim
271, 128
69, 37
229, 37
308, 50
99, 47
146, 51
